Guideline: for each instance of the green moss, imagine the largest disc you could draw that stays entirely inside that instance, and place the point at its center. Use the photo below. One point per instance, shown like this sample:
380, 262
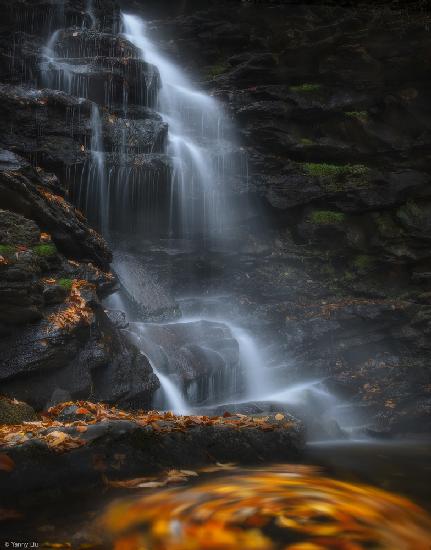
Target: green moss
45, 249
216, 69
327, 217
337, 176
360, 115
363, 263
305, 88
6, 249
306, 141
348, 276
335, 170
65, 283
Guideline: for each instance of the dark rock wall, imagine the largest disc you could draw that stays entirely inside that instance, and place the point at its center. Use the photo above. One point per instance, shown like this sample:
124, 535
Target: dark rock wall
56, 340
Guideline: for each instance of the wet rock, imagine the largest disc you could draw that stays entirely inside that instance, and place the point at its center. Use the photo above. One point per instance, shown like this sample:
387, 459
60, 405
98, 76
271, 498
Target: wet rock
59, 395
22, 193
117, 318
125, 449
144, 288
202, 356
88, 358
54, 294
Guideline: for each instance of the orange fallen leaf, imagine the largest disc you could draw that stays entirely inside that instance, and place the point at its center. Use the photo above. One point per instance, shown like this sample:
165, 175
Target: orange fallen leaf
81, 429
6, 463
279, 416
7, 514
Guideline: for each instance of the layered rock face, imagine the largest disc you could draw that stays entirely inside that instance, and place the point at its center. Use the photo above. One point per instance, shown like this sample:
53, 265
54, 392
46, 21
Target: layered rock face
57, 342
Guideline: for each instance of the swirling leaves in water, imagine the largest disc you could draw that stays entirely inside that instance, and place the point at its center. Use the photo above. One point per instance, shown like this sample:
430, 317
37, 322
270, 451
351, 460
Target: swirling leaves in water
282, 508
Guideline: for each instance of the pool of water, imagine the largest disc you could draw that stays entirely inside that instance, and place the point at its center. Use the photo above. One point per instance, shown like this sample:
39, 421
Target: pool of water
343, 495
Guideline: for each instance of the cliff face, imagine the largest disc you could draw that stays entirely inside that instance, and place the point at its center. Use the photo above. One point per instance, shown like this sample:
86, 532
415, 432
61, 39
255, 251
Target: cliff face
332, 109
57, 341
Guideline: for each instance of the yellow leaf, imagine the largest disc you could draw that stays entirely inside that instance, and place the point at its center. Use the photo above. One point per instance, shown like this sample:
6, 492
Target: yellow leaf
279, 416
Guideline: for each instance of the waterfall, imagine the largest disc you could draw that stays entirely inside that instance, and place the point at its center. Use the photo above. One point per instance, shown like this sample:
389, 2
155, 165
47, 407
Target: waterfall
96, 172
160, 164
172, 398
197, 127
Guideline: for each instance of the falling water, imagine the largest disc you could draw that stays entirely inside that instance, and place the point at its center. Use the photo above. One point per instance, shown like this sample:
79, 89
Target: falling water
197, 125
172, 398
90, 13
96, 173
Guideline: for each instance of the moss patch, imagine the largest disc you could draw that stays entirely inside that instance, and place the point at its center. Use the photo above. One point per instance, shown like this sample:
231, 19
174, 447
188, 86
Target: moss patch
305, 88
45, 249
363, 263
216, 69
327, 217
65, 283
306, 141
7, 249
359, 115
335, 170
336, 177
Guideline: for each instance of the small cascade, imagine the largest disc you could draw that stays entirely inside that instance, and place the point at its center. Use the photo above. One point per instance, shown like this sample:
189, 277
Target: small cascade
201, 143
171, 398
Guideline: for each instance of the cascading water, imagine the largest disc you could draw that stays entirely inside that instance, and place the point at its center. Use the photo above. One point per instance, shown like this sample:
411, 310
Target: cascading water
197, 126
165, 176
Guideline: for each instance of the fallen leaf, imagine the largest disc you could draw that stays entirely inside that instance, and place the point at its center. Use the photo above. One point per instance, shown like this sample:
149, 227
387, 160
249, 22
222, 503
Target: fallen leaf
81, 429
128, 483
56, 438
7, 514
152, 484
279, 416
6, 463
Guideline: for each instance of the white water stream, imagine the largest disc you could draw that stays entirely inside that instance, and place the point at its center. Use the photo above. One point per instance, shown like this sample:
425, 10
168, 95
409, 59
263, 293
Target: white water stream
196, 129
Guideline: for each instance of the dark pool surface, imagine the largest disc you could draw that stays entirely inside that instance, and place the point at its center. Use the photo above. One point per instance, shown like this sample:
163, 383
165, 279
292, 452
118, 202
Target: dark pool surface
403, 467
344, 495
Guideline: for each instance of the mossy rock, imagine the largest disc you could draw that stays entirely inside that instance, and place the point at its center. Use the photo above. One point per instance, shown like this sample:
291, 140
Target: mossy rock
65, 283
337, 177
363, 263
307, 142
15, 412
362, 116
327, 217
217, 69
16, 230
305, 88
45, 250
7, 249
